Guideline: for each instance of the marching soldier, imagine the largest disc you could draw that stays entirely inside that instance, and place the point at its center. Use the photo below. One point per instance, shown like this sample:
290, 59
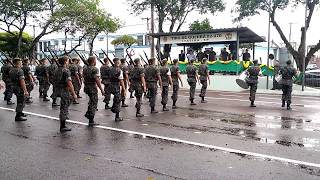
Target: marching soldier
73, 67
193, 78
105, 76
165, 74
116, 82
287, 72
43, 77
91, 81
5, 69
19, 88
125, 71
131, 66
29, 79
138, 84
63, 89
175, 74
204, 78
253, 73
152, 76
52, 79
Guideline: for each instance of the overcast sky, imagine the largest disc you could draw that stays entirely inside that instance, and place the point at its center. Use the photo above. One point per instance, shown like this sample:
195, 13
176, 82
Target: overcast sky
259, 23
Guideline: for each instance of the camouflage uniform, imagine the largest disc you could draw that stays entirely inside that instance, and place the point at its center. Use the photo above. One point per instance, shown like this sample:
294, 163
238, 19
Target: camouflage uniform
287, 72
203, 72
80, 70
192, 81
165, 73
74, 76
136, 84
63, 75
151, 73
125, 71
28, 81
5, 69
43, 77
276, 71
175, 81
105, 76
115, 76
130, 67
16, 74
90, 74
252, 81
52, 79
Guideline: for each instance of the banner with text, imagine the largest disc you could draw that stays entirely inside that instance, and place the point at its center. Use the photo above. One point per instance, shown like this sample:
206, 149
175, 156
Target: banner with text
199, 38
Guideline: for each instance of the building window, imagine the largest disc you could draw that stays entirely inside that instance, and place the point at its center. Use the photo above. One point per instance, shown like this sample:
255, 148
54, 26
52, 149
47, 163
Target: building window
101, 55
49, 45
40, 46
45, 46
63, 42
140, 40
101, 38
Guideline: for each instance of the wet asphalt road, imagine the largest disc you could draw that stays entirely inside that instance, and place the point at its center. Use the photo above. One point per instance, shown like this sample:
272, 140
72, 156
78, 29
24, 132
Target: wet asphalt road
222, 139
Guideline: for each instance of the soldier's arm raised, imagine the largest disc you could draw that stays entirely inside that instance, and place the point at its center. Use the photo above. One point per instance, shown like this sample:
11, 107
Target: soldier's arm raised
143, 80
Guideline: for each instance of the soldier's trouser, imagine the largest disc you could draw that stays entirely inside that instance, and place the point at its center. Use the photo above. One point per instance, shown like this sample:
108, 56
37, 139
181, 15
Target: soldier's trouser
153, 96
115, 90
138, 93
253, 90
164, 95
193, 86
107, 95
174, 96
29, 87
46, 87
64, 106
204, 88
76, 85
92, 104
8, 92
286, 95
20, 102
54, 92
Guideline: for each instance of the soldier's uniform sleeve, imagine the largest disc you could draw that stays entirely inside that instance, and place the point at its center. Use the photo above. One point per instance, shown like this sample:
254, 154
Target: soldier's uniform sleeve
141, 72
20, 74
121, 75
169, 72
95, 72
67, 75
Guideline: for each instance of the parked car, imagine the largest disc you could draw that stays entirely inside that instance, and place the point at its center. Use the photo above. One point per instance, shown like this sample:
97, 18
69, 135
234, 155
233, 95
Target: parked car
312, 78
312, 67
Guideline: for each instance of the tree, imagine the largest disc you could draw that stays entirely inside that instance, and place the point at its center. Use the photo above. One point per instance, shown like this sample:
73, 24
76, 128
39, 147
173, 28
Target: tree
175, 11
124, 40
9, 42
247, 8
200, 26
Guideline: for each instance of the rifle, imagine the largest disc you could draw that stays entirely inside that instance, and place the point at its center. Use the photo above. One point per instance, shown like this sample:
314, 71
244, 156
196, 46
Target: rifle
107, 57
82, 58
45, 57
145, 62
99, 59
50, 54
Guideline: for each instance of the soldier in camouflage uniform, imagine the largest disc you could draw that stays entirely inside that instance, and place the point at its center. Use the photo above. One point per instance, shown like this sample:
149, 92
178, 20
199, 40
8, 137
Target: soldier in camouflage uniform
105, 76
276, 70
152, 76
5, 69
125, 71
52, 79
287, 72
131, 66
204, 79
91, 81
19, 88
175, 74
73, 67
252, 80
165, 74
193, 78
80, 74
63, 89
29, 79
43, 77
138, 84
116, 82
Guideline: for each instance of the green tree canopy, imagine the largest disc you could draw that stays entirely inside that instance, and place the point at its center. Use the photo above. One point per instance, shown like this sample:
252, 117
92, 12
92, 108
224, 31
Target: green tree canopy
125, 40
9, 42
200, 26
247, 8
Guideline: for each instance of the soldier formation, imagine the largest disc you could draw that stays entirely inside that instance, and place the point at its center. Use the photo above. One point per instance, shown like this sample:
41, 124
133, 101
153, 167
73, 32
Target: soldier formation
116, 77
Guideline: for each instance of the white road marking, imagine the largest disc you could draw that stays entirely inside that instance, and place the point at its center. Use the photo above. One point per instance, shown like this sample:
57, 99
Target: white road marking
145, 135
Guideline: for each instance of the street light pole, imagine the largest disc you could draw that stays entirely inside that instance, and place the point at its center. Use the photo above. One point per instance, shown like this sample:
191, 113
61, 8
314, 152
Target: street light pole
152, 28
305, 46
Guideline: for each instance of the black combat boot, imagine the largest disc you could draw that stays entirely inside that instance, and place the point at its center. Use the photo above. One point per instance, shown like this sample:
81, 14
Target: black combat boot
202, 100
164, 108
28, 101
252, 104
138, 114
289, 106
117, 119
131, 95
283, 103
9, 102
91, 122
40, 94
45, 98
107, 106
78, 95
153, 111
174, 105
63, 127
19, 117
54, 103
124, 104
192, 103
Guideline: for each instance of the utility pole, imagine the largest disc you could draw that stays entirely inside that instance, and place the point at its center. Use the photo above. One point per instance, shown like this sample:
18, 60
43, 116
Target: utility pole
305, 46
268, 63
152, 29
